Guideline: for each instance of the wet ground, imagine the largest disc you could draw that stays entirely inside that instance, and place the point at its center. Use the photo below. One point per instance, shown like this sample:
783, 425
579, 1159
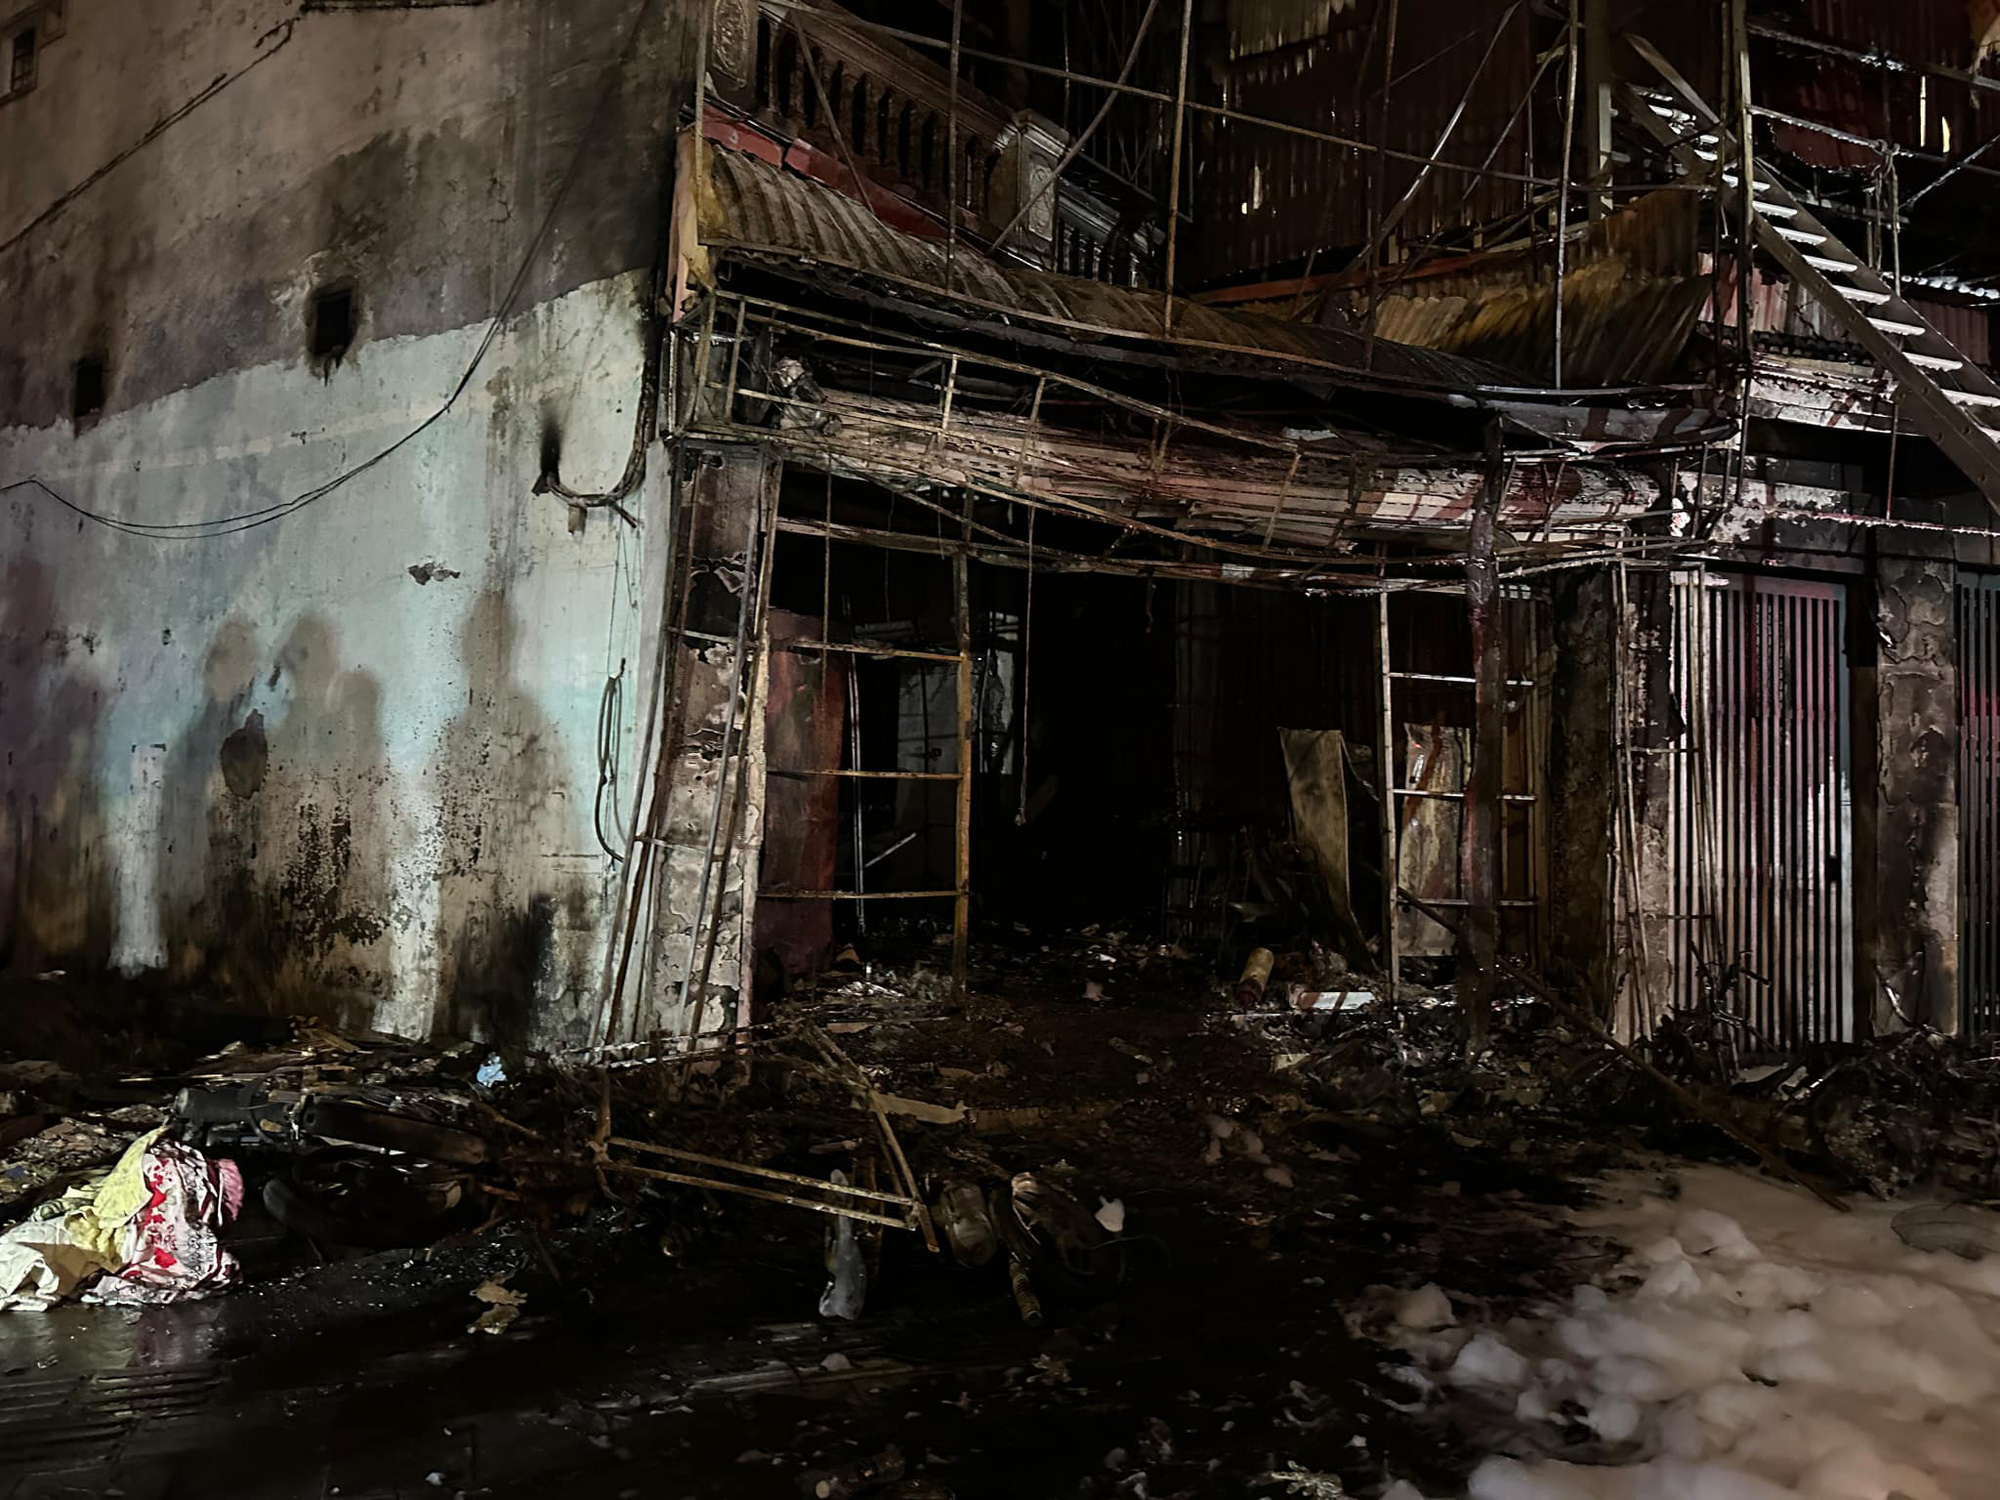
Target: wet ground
1223, 1356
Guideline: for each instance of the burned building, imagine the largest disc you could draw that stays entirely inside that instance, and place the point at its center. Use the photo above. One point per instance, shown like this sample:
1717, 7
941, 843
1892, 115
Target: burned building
593, 510
1169, 705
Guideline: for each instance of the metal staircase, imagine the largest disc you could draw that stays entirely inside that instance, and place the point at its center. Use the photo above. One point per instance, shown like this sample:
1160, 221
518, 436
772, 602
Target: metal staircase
1951, 400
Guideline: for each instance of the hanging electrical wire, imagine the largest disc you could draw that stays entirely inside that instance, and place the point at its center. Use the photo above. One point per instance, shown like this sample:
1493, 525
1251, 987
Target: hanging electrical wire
231, 525
278, 36
610, 716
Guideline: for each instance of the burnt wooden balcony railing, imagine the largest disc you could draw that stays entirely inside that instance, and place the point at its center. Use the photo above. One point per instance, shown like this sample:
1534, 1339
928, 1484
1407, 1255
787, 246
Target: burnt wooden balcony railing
887, 109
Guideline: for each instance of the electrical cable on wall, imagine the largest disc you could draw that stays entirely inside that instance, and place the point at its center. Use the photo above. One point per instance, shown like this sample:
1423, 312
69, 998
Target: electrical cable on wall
610, 715
231, 525
646, 422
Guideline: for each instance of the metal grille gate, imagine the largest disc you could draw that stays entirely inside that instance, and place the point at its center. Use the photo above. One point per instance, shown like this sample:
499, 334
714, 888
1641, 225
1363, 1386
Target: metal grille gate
1979, 802
1759, 834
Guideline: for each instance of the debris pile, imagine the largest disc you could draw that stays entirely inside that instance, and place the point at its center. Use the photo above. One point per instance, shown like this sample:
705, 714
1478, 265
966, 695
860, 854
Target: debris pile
1106, 1176
333, 1144
52, 1130
1404, 1063
1910, 1108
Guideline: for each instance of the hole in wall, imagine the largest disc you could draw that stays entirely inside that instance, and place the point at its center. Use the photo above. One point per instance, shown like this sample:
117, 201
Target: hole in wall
330, 319
86, 399
551, 445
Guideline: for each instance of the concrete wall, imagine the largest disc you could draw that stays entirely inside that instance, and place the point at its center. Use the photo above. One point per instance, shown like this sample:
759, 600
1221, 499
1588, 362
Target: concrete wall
345, 762
411, 152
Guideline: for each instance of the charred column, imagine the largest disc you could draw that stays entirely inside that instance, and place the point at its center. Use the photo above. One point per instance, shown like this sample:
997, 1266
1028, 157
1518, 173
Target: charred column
1916, 795
1479, 937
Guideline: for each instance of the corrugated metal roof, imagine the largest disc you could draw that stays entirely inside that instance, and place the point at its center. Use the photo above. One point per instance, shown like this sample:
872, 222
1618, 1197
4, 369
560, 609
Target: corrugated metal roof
1630, 300
1266, 25
1615, 331
1871, 102
1784, 307
757, 209
1271, 197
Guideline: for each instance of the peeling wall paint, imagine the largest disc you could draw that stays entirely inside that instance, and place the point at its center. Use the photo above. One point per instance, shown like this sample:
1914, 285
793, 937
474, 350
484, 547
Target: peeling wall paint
704, 806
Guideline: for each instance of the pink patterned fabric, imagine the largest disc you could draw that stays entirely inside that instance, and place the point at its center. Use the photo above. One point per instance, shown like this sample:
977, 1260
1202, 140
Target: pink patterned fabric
171, 1245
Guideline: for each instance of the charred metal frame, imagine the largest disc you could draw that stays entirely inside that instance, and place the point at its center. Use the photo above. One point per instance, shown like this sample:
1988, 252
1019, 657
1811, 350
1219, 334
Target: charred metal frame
1265, 561
755, 602
714, 406
1979, 802
1519, 638
1761, 837
960, 893
1266, 553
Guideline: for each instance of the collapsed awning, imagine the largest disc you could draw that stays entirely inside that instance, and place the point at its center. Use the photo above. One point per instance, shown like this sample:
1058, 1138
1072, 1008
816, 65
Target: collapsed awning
1323, 489
754, 209
1325, 499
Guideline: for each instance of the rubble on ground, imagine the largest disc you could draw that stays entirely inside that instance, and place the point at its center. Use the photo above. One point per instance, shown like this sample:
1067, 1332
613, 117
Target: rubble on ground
1059, 1145
1910, 1108
367, 1142
1068, 1146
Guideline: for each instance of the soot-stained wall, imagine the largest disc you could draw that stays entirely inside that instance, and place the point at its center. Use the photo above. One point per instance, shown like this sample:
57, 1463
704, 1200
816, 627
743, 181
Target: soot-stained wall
344, 762
1915, 806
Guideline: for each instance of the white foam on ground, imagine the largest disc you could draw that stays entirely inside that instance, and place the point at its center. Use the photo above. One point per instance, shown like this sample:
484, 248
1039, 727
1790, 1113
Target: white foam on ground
1755, 1345
1426, 1309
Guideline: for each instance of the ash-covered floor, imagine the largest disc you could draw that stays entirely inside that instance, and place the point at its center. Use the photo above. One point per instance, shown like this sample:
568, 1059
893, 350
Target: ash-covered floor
1277, 1191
